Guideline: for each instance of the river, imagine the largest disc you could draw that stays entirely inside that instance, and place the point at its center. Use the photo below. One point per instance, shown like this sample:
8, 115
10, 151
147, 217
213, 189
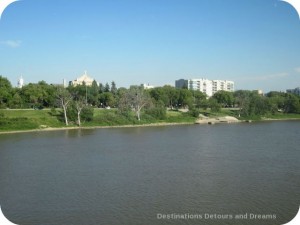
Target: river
189, 174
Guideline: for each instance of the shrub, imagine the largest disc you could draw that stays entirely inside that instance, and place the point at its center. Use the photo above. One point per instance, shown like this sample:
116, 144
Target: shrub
2, 115
87, 114
157, 112
194, 113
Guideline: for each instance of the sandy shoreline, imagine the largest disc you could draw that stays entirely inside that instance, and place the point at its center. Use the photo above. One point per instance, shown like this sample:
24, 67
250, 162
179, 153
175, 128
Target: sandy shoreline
200, 121
225, 119
94, 127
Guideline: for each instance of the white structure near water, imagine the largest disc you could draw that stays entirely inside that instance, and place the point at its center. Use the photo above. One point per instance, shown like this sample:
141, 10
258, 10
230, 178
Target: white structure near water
209, 87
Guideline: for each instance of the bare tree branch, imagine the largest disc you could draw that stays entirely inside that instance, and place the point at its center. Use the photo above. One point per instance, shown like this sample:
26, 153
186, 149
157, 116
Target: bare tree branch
64, 98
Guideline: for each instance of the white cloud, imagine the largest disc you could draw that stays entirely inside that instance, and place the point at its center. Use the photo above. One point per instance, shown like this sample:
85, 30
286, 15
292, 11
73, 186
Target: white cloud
272, 76
11, 43
265, 77
297, 70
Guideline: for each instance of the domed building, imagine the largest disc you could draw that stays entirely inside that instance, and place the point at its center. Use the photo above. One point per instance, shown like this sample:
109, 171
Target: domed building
84, 79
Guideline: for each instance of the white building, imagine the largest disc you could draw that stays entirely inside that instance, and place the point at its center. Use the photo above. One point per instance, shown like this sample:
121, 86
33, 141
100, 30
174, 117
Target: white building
65, 83
222, 85
84, 79
209, 87
20, 82
203, 85
147, 86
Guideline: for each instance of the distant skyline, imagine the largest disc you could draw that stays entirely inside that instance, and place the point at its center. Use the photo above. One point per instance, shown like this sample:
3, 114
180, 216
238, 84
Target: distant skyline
255, 43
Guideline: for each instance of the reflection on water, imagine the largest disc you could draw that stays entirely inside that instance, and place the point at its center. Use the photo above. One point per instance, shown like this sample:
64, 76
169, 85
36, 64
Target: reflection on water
129, 175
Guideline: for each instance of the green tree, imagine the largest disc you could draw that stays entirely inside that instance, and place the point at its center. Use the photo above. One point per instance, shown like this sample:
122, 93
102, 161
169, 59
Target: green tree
135, 98
159, 94
185, 98
259, 105
33, 95
198, 98
101, 88
225, 98
16, 101
107, 99
277, 100
214, 105
242, 101
173, 96
107, 88
113, 88
93, 94
38, 95
79, 111
292, 104
5, 91
157, 111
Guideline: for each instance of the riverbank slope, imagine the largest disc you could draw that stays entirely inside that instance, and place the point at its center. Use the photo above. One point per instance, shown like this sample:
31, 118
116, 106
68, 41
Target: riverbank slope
19, 121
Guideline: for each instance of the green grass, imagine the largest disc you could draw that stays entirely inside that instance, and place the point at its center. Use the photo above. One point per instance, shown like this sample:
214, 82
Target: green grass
11, 124
18, 120
277, 116
179, 117
283, 116
11, 120
223, 112
15, 120
113, 118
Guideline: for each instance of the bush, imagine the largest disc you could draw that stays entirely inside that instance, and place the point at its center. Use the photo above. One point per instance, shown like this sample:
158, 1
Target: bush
17, 124
71, 113
194, 113
53, 112
115, 118
2, 115
157, 113
126, 112
87, 114
214, 105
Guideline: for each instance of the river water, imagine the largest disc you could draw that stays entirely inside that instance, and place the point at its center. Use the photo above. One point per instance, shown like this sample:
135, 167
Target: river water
189, 174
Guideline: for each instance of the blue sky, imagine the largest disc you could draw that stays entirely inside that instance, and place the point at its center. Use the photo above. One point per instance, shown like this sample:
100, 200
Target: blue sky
255, 43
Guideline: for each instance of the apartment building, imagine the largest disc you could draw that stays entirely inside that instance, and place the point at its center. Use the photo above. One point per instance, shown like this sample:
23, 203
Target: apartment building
209, 87
222, 85
203, 85
295, 91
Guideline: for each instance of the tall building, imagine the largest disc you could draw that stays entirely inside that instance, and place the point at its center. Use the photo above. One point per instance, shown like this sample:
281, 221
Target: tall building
181, 83
209, 87
84, 79
295, 91
222, 85
20, 82
64, 83
203, 85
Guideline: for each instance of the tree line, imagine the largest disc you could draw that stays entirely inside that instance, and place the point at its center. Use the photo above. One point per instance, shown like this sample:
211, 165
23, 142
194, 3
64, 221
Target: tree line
78, 102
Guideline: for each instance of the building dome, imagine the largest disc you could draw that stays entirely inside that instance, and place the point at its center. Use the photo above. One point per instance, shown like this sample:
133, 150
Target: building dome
84, 79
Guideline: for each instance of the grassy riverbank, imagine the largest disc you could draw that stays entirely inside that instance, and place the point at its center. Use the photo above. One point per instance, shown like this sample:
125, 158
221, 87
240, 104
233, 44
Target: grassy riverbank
22, 120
